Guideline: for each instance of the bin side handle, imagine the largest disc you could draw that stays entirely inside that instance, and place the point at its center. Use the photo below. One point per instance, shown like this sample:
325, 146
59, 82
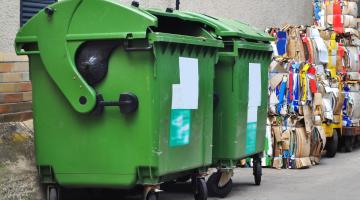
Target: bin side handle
21, 47
58, 61
128, 103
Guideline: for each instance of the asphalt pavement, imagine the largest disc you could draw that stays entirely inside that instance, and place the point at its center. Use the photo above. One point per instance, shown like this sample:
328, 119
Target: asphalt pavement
334, 179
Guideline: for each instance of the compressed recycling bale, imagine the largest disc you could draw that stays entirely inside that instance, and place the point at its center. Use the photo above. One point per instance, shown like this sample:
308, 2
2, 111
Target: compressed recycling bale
353, 76
302, 152
348, 21
329, 101
353, 106
354, 58
350, 8
318, 141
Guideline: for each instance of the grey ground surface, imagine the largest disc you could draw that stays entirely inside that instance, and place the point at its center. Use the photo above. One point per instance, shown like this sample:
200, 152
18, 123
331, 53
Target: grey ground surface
17, 172
333, 179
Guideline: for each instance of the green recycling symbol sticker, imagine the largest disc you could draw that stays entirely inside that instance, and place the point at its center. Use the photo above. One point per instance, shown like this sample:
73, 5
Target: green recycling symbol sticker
180, 127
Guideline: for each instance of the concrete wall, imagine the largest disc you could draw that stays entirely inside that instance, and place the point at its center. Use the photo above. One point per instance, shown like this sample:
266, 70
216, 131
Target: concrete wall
259, 13
15, 87
9, 24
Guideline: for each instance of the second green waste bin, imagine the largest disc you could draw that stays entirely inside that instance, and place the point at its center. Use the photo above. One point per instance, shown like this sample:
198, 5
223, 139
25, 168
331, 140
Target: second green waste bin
241, 85
86, 63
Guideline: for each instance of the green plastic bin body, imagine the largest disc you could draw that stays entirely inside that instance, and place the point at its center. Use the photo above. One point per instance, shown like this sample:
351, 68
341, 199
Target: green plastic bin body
241, 84
240, 116
167, 137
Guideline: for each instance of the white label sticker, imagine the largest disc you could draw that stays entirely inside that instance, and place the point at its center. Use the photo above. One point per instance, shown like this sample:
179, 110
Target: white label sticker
254, 85
254, 100
186, 94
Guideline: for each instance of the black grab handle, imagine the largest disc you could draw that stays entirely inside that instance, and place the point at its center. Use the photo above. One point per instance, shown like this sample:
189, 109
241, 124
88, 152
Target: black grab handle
127, 103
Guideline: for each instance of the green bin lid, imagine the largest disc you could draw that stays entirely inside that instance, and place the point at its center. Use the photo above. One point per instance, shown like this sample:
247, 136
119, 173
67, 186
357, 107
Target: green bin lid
83, 25
83, 21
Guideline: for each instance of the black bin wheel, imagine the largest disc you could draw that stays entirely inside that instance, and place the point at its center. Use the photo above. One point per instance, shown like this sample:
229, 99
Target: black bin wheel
53, 193
213, 186
332, 145
257, 171
201, 192
151, 195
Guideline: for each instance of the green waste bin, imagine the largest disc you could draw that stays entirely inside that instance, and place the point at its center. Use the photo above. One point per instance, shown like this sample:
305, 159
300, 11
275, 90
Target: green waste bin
240, 110
120, 99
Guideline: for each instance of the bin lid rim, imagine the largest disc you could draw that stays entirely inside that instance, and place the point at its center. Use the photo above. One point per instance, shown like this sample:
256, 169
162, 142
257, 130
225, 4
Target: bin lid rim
174, 38
222, 27
31, 28
235, 28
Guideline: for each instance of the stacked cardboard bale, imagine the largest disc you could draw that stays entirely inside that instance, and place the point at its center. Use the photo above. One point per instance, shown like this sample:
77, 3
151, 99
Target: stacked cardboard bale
336, 14
351, 106
304, 92
351, 65
313, 80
